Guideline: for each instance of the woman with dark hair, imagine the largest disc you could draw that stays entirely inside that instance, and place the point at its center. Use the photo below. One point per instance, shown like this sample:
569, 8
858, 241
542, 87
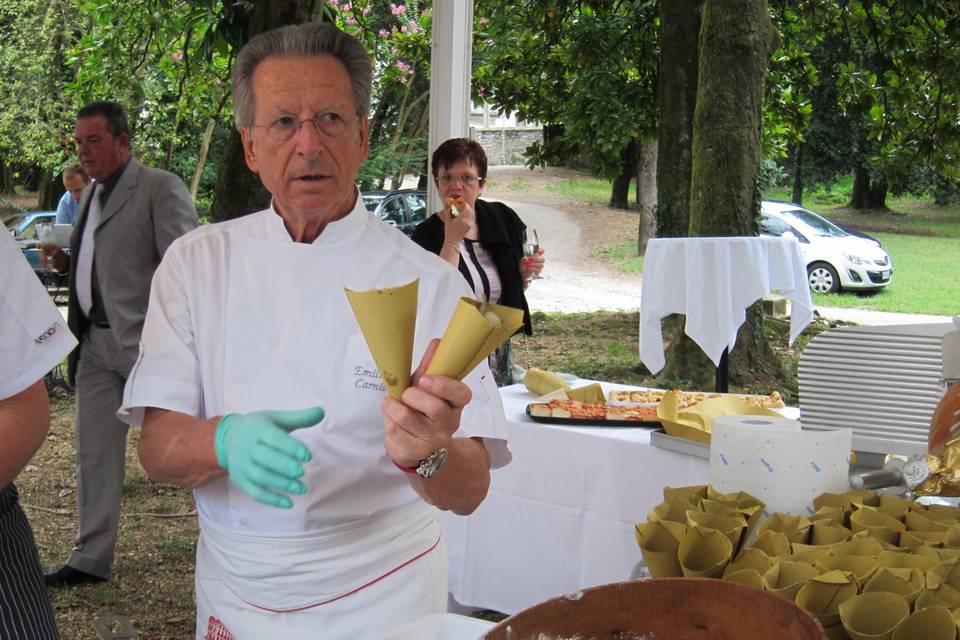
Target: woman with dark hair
484, 240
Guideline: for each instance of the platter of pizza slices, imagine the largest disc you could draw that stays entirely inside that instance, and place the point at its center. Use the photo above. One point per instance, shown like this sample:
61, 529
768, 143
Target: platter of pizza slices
687, 399
592, 414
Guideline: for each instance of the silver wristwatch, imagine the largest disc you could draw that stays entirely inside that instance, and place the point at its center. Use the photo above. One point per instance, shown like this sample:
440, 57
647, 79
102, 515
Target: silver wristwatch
431, 465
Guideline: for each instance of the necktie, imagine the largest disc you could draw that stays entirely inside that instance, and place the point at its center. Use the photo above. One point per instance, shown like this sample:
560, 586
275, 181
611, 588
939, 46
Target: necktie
85, 259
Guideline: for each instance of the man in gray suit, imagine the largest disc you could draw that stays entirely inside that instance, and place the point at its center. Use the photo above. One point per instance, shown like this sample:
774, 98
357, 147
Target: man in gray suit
127, 218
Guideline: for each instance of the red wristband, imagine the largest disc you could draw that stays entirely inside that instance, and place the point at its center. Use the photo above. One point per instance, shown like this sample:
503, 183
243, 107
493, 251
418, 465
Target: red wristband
412, 470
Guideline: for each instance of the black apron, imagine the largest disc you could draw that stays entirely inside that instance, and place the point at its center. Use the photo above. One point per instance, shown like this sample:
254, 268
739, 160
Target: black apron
25, 611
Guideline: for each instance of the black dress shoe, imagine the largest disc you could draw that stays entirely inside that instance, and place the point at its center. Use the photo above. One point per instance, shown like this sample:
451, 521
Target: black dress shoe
67, 576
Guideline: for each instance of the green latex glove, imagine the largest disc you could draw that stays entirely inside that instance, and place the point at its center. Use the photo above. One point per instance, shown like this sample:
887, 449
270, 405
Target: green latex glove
261, 456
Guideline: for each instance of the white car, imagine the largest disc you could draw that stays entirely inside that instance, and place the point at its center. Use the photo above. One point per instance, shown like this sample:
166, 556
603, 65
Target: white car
836, 257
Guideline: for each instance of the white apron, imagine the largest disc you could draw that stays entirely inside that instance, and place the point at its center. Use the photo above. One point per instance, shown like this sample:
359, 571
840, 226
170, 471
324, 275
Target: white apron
352, 580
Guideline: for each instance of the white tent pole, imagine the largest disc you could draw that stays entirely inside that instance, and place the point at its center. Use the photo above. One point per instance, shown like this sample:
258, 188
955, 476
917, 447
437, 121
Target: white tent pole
450, 73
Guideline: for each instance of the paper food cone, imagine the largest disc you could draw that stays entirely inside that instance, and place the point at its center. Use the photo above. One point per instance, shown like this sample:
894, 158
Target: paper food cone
869, 547
742, 501
862, 567
916, 521
704, 553
951, 538
659, 542
936, 511
592, 393
946, 572
746, 577
693, 494
675, 509
732, 527
388, 321
879, 525
873, 616
842, 501
913, 539
821, 534
807, 553
905, 582
832, 515
751, 558
822, 595
773, 543
900, 560
540, 382
751, 514
470, 337
894, 506
785, 578
934, 623
942, 595
795, 528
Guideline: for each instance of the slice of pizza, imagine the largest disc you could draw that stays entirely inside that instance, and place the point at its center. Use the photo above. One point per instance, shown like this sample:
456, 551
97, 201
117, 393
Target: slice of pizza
456, 204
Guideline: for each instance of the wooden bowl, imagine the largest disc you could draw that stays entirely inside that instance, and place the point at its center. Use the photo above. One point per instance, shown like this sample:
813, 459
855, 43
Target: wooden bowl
662, 609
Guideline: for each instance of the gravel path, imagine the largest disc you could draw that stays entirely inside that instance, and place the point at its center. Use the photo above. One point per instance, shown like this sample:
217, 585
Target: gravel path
574, 279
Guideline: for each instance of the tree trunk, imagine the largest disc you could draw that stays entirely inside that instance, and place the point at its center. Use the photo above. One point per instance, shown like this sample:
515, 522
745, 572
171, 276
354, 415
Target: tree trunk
238, 191
736, 39
677, 99
797, 196
647, 194
202, 157
620, 195
867, 193
6, 179
50, 190
735, 45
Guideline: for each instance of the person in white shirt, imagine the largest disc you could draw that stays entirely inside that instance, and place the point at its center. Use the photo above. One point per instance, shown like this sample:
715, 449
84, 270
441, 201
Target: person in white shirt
317, 494
33, 339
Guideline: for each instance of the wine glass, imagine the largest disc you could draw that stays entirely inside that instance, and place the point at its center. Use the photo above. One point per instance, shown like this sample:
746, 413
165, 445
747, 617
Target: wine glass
45, 235
531, 244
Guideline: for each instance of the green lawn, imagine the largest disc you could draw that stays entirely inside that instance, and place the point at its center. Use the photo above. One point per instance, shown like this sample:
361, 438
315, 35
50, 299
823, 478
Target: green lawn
592, 191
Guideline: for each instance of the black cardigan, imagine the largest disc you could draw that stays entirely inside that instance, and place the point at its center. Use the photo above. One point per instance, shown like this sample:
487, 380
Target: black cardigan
501, 233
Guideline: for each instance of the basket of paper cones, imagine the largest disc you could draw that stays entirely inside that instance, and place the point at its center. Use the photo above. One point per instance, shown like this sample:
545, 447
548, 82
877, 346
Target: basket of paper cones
665, 608
867, 566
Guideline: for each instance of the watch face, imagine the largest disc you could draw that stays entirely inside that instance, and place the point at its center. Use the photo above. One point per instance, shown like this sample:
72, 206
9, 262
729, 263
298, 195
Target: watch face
431, 465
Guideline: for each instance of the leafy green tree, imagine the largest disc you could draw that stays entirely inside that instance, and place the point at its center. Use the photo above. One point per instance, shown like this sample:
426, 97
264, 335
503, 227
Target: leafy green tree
587, 70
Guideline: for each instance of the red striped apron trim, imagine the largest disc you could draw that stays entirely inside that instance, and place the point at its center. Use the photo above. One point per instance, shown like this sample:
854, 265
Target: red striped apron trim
349, 593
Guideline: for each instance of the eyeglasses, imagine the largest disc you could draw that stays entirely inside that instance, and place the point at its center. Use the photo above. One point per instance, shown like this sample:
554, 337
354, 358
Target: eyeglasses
466, 180
331, 125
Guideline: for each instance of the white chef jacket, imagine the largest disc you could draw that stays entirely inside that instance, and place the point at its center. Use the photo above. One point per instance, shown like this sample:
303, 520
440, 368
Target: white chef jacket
33, 335
211, 288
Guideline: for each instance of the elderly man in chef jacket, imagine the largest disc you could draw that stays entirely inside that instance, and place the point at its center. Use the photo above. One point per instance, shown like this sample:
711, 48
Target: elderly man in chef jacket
318, 495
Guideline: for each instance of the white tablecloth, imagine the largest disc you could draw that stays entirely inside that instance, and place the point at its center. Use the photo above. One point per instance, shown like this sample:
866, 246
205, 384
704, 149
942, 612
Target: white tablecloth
561, 516
713, 281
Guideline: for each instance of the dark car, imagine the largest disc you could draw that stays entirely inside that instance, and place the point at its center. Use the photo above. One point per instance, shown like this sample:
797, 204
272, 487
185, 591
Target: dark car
23, 227
404, 209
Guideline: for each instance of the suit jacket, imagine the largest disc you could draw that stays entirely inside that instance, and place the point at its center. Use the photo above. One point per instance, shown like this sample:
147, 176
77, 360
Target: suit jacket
147, 210
500, 231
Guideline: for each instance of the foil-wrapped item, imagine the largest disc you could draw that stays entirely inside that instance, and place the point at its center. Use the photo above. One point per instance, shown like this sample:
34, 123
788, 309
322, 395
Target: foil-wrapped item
935, 475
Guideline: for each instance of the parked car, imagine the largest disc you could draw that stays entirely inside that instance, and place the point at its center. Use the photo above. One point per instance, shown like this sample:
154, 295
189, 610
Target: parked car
23, 227
836, 258
404, 209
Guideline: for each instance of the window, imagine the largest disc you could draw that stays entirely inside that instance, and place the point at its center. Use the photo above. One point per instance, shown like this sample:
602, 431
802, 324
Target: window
417, 206
392, 211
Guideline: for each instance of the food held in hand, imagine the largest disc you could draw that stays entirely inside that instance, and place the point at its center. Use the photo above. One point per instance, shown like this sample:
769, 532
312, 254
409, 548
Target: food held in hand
455, 205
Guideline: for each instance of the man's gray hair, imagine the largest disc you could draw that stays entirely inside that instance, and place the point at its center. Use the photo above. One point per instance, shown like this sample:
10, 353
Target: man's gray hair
308, 39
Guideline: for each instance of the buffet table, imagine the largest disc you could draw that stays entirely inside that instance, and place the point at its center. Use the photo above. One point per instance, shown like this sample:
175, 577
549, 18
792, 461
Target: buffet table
561, 516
